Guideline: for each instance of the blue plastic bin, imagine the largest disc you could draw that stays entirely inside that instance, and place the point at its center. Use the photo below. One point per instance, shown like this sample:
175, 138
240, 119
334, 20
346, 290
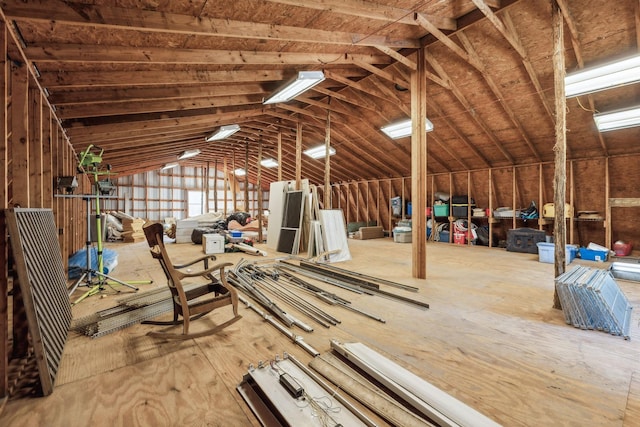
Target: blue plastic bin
593, 255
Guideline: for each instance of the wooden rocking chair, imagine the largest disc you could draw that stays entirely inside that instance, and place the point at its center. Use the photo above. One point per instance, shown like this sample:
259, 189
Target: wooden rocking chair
194, 302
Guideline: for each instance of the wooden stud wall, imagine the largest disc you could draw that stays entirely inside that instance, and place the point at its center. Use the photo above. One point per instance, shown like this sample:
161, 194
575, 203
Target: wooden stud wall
517, 186
34, 152
157, 195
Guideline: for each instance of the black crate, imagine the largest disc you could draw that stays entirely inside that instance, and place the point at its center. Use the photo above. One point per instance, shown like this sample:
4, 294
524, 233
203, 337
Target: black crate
461, 210
524, 240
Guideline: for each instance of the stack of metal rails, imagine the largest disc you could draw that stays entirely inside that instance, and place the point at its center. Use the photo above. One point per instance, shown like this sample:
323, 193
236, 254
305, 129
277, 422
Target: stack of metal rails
592, 299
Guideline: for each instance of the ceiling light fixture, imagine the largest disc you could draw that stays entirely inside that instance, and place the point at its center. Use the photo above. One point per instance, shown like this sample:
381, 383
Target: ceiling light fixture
305, 81
223, 132
269, 163
319, 152
594, 79
620, 119
188, 153
169, 166
239, 172
402, 129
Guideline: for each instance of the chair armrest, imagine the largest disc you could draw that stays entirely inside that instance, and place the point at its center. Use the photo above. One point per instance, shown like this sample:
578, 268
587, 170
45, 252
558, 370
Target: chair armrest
205, 259
205, 273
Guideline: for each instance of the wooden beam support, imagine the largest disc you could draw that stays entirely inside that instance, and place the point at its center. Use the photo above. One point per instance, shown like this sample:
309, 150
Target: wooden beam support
560, 148
327, 163
20, 135
299, 156
419, 166
189, 25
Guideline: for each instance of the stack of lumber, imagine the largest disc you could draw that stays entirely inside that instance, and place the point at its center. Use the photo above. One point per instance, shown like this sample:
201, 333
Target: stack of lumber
131, 227
132, 230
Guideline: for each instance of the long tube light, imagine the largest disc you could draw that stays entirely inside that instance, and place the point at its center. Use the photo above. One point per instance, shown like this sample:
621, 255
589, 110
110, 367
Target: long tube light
305, 81
169, 166
319, 152
402, 129
239, 172
223, 132
269, 163
620, 119
188, 153
594, 79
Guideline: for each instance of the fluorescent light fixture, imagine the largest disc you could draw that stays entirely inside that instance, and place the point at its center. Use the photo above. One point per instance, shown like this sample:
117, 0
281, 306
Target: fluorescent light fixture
223, 133
305, 81
169, 166
188, 153
319, 152
269, 163
239, 172
620, 119
402, 128
594, 79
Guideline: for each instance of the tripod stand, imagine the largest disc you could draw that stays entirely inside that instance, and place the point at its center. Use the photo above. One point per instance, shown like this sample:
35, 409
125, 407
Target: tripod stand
95, 280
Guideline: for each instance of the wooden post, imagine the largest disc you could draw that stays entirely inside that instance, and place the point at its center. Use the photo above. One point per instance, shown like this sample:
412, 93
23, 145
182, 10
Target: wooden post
298, 156
234, 183
215, 186
279, 155
560, 148
419, 165
259, 189
225, 181
4, 204
246, 176
327, 162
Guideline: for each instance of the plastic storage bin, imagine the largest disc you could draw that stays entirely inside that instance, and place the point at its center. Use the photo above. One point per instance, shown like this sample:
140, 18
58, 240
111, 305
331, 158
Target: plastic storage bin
444, 236
547, 251
593, 255
402, 235
441, 210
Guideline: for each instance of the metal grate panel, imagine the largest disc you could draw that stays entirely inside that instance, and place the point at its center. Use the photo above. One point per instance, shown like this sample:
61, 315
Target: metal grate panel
42, 278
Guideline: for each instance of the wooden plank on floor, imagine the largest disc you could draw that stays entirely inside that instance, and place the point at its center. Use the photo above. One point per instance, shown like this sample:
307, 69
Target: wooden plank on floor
181, 389
632, 413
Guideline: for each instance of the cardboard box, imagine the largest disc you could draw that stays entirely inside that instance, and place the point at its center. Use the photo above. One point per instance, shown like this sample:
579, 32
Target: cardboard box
212, 244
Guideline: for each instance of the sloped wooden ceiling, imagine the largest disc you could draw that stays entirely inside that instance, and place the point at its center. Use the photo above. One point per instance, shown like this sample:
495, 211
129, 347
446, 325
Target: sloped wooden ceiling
145, 80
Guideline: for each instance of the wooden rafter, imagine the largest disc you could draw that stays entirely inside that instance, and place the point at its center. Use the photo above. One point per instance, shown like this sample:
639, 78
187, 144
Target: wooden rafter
370, 10
42, 53
113, 17
397, 56
82, 79
448, 42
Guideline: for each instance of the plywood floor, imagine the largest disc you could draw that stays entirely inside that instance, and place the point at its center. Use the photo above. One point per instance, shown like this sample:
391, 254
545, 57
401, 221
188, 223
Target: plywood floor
490, 338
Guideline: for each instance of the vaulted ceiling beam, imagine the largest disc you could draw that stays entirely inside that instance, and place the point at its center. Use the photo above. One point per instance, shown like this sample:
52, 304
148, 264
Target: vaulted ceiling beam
371, 10
80, 14
82, 79
56, 52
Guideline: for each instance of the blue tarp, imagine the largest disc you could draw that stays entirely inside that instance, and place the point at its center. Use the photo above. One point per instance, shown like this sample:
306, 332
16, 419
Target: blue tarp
78, 261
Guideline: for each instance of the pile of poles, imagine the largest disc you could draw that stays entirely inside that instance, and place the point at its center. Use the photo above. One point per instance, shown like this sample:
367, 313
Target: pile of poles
268, 285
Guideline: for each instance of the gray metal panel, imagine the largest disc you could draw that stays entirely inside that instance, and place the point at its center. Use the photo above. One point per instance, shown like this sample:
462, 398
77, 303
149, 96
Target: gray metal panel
43, 282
